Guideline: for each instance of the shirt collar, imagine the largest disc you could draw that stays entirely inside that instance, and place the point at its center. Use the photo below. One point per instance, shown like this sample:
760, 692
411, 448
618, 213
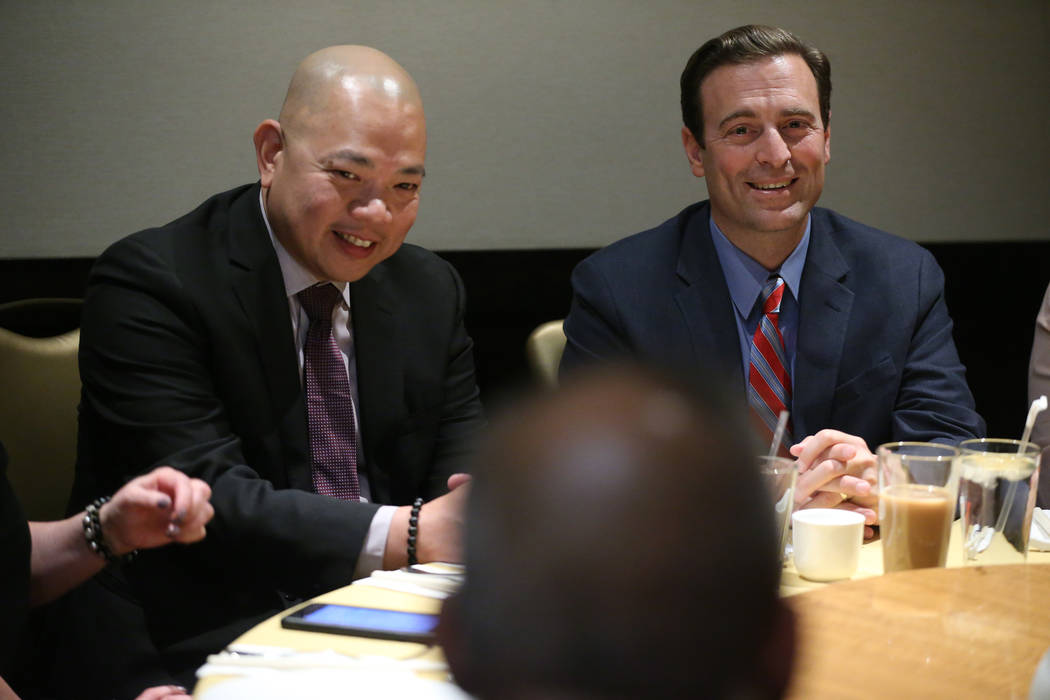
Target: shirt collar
296, 277
745, 276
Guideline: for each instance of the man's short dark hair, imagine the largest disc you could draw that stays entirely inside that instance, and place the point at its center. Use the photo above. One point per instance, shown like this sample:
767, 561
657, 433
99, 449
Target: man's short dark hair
618, 545
746, 44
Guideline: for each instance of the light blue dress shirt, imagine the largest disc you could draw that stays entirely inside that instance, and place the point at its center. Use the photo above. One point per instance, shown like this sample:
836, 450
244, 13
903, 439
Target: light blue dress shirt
745, 278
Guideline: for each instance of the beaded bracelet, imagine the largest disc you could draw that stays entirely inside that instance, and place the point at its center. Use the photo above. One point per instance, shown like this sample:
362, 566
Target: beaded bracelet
93, 533
413, 528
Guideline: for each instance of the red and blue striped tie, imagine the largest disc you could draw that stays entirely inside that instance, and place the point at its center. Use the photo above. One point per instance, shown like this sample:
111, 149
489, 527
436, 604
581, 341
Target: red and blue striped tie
769, 386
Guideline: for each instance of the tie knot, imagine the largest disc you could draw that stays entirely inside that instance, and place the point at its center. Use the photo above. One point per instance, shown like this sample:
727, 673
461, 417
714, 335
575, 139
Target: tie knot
772, 294
319, 300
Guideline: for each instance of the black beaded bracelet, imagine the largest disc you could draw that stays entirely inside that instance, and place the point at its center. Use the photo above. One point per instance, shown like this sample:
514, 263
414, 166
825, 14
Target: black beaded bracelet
93, 533
413, 529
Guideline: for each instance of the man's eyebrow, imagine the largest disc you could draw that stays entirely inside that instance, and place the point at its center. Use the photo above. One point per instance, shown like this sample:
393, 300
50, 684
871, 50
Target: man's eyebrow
365, 161
789, 112
352, 156
798, 112
736, 115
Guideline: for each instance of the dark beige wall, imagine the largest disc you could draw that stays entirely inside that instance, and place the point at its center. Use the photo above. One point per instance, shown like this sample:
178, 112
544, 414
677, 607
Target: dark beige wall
552, 124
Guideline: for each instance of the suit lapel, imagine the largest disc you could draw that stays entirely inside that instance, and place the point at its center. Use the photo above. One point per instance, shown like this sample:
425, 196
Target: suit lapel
380, 383
705, 304
259, 288
825, 304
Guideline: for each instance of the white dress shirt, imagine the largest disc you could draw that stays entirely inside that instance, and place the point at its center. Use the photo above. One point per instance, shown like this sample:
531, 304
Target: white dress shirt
296, 279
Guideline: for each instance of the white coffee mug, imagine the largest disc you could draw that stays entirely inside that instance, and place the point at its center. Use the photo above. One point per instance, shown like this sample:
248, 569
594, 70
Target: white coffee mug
826, 543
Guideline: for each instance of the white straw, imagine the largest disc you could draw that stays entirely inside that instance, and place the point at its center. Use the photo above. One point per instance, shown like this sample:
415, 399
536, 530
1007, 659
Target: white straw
782, 422
1037, 406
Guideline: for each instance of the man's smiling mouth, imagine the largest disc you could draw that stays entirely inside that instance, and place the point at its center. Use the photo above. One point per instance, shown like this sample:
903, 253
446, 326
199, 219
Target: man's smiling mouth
771, 185
354, 240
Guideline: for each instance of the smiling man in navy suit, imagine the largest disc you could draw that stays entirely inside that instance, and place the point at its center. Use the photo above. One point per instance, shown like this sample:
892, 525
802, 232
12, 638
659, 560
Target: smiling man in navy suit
855, 340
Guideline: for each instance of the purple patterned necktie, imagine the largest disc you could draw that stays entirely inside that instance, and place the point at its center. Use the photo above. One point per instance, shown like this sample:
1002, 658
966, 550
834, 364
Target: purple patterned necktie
329, 402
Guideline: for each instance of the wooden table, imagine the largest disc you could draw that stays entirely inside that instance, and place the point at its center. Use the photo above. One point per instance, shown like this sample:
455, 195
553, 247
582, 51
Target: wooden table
968, 632
956, 632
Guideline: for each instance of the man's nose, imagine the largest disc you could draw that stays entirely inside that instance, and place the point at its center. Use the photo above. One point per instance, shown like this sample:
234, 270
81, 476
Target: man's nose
772, 149
373, 211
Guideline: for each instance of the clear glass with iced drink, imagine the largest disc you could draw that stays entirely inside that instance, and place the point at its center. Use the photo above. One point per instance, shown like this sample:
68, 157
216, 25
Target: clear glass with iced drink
996, 496
779, 474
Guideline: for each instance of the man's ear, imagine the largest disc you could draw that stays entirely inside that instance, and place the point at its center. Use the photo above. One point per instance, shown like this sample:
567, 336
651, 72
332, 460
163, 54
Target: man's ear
694, 152
827, 140
269, 146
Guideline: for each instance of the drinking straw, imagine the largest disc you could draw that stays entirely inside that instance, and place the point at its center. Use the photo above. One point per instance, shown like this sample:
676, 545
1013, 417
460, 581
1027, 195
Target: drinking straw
1037, 406
782, 422
782, 504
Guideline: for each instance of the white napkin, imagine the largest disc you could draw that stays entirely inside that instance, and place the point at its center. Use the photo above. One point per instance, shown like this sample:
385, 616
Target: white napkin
331, 684
255, 659
1039, 539
438, 580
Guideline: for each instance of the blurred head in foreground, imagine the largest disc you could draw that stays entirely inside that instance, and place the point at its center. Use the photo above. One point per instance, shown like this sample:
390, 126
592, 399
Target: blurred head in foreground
619, 544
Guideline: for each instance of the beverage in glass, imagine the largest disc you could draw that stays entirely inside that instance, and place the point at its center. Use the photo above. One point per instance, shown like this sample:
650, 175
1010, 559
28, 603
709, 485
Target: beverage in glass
918, 485
996, 496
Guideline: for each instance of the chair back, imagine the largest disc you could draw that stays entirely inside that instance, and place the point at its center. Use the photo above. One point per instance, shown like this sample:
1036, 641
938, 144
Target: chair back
39, 395
543, 349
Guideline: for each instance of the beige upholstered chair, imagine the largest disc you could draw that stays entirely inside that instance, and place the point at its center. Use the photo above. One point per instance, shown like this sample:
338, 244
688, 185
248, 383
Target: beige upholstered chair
543, 349
39, 393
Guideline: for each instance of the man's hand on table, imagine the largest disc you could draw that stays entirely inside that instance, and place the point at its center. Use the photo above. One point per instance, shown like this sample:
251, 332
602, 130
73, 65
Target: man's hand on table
441, 523
837, 470
440, 536
165, 692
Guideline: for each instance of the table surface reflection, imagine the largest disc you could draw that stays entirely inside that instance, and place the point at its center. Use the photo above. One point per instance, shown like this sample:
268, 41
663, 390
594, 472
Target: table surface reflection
973, 631
870, 563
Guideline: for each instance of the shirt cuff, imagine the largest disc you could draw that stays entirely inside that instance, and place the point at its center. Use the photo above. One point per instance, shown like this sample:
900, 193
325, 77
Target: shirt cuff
371, 556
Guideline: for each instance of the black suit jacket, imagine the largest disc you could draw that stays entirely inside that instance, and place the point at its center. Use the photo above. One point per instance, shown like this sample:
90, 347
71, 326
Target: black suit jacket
187, 358
14, 582
875, 354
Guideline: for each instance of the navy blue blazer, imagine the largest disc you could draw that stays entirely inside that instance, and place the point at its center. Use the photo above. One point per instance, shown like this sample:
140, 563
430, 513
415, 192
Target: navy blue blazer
875, 355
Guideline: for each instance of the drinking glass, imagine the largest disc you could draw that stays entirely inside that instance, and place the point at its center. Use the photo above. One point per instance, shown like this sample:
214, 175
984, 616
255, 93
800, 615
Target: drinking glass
779, 474
996, 495
918, 488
